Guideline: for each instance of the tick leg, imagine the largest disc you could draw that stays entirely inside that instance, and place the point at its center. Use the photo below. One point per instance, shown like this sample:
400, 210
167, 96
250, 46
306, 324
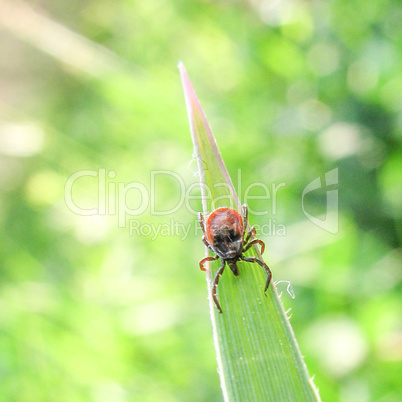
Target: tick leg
205, 241
249, 234
216, 281
201, 221
204, 237
262, 264
260, 242
204, 260
244, 210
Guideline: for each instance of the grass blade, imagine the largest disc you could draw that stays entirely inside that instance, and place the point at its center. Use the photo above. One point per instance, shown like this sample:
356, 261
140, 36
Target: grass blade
257, 353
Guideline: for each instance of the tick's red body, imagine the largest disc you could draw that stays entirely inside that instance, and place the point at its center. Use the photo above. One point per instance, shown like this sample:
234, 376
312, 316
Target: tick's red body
224, 233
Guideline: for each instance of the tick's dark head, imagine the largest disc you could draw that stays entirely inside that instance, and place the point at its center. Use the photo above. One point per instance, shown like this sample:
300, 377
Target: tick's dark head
225, 233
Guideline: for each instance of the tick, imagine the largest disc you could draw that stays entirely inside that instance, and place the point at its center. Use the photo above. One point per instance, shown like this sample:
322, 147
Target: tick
225, 235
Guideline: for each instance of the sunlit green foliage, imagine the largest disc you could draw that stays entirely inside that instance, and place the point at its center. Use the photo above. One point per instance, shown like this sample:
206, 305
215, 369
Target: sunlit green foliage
94, 311
252, 334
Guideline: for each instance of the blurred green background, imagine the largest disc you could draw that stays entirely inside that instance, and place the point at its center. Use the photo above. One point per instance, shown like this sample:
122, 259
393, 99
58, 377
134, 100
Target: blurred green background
292, 89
